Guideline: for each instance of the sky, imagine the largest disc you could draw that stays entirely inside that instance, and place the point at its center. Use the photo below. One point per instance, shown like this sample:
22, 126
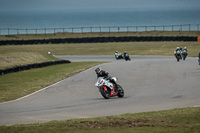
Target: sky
13, 5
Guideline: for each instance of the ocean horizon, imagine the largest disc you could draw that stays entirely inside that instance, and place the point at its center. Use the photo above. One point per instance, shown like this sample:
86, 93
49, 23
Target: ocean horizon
97, 18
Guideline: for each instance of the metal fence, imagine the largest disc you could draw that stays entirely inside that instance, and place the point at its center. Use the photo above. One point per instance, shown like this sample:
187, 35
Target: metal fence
186, 27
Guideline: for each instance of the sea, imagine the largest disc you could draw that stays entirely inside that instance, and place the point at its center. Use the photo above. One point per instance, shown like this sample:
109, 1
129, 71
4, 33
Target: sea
95, 18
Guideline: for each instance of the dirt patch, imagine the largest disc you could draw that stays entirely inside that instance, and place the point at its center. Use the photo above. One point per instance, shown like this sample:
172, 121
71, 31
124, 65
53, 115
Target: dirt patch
128, 123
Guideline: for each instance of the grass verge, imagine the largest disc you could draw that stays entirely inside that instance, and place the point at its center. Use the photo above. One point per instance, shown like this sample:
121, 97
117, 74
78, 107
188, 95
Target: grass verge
133, 48
186, 120
19, 84
98, 34
12, 59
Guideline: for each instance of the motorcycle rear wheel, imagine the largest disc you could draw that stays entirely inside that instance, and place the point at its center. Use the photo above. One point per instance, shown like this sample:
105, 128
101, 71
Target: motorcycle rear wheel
178, 59
105, 94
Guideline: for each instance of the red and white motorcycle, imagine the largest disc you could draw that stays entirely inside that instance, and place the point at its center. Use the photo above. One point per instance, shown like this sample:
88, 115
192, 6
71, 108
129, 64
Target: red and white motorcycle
108, 89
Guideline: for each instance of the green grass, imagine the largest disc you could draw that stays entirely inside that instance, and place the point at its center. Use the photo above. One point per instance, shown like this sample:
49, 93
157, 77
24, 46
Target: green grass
19, 84
98, 34
133, 48
186, 120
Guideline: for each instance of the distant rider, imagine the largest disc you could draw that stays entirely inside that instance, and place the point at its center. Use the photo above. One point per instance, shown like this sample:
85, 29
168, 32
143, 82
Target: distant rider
125, 53
177, 51
116, 54
105, 74
185, 48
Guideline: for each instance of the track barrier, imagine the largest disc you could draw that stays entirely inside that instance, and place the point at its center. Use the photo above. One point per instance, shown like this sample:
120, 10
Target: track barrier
100, 40
198, 38
29, 66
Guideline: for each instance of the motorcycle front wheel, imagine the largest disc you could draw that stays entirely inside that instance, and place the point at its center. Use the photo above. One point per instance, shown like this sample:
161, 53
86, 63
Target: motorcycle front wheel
178, 59
105, 94
120, 92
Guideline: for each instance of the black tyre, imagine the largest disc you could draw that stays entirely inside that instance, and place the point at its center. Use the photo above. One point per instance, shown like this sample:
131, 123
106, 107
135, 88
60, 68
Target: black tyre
120, 92
105, 94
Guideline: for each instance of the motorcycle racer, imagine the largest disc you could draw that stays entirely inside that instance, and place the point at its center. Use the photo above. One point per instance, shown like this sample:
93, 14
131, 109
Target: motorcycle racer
101, 73
118, 55
105, 74
178, 54
185, 48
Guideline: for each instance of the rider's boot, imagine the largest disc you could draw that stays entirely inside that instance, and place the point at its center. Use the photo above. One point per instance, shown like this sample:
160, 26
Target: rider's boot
117, 88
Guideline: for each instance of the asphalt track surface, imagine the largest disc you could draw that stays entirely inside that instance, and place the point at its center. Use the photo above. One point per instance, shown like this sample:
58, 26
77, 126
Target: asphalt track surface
150, 83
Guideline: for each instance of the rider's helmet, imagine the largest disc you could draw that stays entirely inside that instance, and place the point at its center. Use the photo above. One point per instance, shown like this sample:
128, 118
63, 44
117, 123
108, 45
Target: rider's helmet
116, 51
177, 48
97, 70
185, 48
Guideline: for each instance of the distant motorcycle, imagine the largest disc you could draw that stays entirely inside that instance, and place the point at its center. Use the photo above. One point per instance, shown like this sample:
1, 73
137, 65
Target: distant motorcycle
184, 54
108, 89
199, 61
119, 56
177, 54
126, 56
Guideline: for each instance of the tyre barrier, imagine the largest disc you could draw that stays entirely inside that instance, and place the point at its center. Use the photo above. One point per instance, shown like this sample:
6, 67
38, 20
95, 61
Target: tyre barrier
29, 66
100, 40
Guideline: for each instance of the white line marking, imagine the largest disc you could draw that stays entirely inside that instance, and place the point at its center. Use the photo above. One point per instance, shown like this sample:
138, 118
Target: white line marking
33, 92
44, 88
197, 106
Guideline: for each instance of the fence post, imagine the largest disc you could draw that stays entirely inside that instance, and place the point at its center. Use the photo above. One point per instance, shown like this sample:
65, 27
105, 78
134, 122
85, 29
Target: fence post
189, 27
